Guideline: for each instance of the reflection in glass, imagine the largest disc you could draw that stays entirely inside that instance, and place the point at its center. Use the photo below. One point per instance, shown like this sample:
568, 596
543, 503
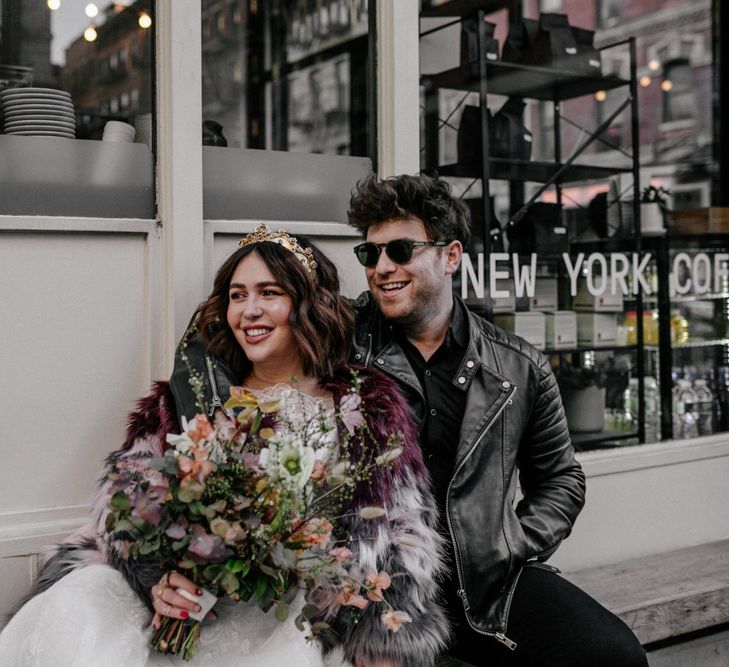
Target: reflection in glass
288, 74
76, 70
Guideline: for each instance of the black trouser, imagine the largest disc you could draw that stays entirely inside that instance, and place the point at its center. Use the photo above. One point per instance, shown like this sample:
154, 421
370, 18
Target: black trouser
554, 624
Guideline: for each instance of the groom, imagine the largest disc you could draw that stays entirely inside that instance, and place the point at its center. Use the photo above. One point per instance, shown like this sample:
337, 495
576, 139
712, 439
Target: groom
489, 410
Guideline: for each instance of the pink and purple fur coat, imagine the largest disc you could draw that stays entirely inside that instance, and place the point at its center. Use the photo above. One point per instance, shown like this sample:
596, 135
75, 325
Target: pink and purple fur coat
404, 543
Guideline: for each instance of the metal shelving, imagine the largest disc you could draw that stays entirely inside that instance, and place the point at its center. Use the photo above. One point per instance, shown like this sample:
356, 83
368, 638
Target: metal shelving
544, 84
527, 81
534, 171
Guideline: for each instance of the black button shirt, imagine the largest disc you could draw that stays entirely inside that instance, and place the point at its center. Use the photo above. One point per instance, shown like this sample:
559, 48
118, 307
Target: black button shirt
445, 402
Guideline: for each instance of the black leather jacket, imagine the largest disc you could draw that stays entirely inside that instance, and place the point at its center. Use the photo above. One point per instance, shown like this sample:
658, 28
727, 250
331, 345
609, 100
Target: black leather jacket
513, 422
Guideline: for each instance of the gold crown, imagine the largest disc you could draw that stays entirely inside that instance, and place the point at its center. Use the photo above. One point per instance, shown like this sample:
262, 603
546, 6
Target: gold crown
264, 235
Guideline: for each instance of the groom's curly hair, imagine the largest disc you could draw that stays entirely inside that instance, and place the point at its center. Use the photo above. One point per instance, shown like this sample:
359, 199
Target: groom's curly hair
321, 319
445, 217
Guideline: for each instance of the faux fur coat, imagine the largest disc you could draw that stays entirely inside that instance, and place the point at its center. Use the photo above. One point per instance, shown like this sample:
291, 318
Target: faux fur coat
404, 542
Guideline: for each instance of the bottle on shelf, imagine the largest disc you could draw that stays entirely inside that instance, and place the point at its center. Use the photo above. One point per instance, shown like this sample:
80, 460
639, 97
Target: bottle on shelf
650, 327
652, 409
721, 401
679, 328
689, 421
704, 407
630, 405
684, 400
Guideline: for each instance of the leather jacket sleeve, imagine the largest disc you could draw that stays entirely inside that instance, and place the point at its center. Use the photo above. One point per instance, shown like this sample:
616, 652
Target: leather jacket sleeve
551, 479
216, 378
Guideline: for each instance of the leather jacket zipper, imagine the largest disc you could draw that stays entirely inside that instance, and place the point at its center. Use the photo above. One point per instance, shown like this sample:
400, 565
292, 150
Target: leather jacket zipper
499, 636
368, 356
216, 402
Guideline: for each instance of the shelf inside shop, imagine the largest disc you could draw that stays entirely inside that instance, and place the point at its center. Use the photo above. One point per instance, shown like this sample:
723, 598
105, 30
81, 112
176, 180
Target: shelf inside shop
592, 348
531, 170
693, 344
602, 439
708, 238
612, 244
460, 7
526, 81
688, 298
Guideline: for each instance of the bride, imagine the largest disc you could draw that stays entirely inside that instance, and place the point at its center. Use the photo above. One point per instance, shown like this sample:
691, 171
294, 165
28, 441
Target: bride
276, 319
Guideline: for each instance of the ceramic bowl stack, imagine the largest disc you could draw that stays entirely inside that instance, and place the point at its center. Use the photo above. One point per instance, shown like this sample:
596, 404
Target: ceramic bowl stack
40, 112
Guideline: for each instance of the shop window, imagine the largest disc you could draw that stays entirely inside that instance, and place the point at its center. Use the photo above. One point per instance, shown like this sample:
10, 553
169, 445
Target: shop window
64, 76
293, 76
679, 100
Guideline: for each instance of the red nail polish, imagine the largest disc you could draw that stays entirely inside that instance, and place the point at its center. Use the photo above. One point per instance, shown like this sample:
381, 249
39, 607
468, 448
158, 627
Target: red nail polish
198, 591
184, 614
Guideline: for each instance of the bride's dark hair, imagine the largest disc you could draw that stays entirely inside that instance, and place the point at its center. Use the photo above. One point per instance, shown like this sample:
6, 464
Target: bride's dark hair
321, 319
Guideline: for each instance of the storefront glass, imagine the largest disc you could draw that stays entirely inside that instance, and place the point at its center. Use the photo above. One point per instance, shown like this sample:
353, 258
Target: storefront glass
633, 315
287, 75
287, 107
76, 82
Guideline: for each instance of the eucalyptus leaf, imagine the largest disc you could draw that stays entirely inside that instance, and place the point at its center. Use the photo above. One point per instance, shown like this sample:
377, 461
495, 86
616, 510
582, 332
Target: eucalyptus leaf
123, 526
282, 611
309, 611
299, 622
230, 583
149, 547
181, 544
158, 463
119, 502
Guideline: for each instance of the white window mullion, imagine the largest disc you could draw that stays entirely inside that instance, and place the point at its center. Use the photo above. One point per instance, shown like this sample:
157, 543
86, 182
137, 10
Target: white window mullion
179, 170
398, 73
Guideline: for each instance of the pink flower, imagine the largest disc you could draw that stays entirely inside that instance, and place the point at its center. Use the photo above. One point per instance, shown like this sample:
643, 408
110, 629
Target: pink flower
349, 412
315, 532
145, 507
392, 620
206, 548
350, 595
201, 429
177, 530
197, 467
319, 472
340, 554
376, 583
225, 426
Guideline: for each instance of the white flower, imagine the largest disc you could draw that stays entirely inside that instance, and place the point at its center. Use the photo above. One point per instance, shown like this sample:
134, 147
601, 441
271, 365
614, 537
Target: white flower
289, 460
182, 442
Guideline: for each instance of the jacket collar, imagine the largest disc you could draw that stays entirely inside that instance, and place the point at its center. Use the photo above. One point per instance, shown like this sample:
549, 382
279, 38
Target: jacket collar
387, 355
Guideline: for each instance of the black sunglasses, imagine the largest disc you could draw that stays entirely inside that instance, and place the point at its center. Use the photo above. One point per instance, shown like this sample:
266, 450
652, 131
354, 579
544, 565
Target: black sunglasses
399, 251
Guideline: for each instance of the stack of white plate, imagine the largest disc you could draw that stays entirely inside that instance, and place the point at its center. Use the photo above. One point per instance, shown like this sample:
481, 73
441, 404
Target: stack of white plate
38, 111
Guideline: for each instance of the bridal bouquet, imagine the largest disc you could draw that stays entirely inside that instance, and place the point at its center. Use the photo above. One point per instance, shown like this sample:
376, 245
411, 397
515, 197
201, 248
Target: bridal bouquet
247, 506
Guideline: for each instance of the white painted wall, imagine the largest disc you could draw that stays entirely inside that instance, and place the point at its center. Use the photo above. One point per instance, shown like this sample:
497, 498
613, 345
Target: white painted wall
77, 316
649, 499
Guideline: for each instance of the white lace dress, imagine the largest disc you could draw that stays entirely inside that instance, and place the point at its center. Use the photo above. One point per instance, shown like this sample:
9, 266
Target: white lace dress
92, 617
